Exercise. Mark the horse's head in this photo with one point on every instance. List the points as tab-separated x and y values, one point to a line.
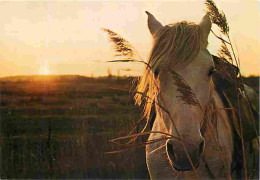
182	48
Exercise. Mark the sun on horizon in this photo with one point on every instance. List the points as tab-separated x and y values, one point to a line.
45	70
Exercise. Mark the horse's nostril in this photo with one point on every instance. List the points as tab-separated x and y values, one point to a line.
201	146
170	149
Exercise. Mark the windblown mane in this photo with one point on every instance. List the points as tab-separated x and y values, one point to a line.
173	44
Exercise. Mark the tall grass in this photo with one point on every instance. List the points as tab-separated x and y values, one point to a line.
69	137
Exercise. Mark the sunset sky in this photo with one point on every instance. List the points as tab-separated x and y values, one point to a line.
65	37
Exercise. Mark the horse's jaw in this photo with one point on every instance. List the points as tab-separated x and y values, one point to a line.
159	164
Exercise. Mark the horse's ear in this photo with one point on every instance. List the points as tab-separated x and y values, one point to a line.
153	24
205	27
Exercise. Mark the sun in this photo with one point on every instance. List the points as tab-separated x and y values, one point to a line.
44	70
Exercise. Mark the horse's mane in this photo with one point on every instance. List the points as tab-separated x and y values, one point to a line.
173	44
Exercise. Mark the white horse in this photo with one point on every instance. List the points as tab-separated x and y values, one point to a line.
204	144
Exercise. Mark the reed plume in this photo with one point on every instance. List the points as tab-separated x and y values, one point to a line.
225	65
122	48
217	17
186	93
224	52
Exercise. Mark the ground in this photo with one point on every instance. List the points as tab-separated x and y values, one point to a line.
60	127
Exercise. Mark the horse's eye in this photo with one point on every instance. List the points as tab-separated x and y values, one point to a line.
211	71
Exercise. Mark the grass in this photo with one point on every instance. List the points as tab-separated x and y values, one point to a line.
60	127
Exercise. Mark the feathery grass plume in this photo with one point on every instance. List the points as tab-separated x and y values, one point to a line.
122	47
225	67
224	52
124	51
187	94
217	17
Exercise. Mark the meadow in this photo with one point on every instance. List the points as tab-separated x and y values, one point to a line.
60	127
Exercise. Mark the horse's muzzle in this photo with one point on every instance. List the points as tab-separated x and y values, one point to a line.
178	156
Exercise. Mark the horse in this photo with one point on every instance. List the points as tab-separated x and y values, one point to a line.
196	139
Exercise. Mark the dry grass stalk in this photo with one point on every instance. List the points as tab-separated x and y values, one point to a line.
217	17
136	145
225	64
121	46
219	37
123	49
131	60
143	134
187	94
224	53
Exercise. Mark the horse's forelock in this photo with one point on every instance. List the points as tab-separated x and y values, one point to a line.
173	44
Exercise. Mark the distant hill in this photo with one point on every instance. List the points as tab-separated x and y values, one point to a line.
24	78
60	84
40	77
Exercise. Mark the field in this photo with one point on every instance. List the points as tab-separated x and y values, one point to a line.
60	127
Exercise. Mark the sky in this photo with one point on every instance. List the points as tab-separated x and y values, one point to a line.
65	37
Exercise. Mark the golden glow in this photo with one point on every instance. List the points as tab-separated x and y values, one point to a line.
45	69
68	34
